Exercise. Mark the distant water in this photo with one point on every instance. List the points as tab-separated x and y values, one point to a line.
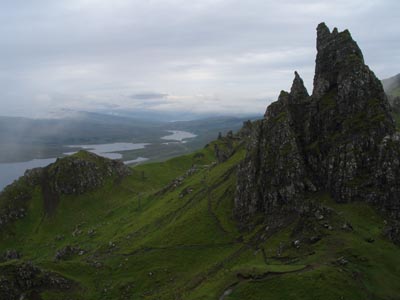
135	161
177	135
12	171
109	150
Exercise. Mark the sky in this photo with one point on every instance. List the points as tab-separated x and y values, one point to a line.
205	56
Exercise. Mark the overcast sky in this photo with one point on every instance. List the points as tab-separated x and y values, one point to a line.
225	56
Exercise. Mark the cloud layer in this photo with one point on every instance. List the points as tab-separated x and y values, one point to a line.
226	56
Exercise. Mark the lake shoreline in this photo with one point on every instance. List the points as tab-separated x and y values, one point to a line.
10	171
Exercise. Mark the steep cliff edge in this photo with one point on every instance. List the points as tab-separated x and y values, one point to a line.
341	139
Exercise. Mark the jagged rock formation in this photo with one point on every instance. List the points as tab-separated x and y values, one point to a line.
26	281
225	149
77	174
341	139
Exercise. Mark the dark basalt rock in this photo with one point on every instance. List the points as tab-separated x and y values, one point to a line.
13	201
11	254
67	252
341	139
74	175
26	281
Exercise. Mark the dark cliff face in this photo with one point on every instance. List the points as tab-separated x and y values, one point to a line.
341	139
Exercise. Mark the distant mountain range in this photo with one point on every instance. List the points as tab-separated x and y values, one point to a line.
24	138
392	89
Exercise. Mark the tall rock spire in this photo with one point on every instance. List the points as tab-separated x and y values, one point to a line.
336	52
298	90
343	82
341	139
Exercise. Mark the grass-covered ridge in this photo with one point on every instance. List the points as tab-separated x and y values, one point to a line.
167	232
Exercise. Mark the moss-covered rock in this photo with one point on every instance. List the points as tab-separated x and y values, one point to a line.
341	139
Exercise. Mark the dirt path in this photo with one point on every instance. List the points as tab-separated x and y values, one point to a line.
259	277
217	221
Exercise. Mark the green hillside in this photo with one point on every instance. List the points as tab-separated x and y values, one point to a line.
167	232
303	204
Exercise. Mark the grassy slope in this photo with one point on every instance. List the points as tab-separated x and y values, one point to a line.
396	92
150	245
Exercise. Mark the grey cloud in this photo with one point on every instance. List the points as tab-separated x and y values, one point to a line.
79	53
148	96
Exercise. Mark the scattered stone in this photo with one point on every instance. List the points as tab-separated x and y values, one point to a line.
96	264
369	240
296	244
185	192
279	251
178	181
12	254
76	231
342	261
318	215
347	227
67	252
59	237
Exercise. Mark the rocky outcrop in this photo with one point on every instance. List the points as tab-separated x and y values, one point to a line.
77	174
71	175
224	149
26	281
341	139
272	177
11	254
67	252
13	202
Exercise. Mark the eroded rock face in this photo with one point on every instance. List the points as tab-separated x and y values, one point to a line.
72	175
76	175
26	281
341	139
